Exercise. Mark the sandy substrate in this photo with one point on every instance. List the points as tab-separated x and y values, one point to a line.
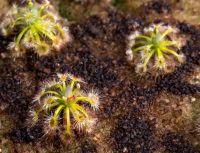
141	114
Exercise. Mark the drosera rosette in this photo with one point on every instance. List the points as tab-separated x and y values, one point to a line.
156	47
63	102
36	26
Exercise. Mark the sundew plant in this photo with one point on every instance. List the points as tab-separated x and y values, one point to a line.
153	46
65	103
36	26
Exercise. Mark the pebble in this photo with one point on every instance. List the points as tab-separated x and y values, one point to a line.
125	149
193	99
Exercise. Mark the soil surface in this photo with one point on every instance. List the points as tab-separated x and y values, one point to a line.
138	114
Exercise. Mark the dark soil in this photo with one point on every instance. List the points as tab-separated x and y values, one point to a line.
177	143
26	134
88	147
159	6
133	134
96	54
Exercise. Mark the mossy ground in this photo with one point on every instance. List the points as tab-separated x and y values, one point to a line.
137	114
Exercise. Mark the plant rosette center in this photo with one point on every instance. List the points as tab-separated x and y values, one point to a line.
156	41
70	99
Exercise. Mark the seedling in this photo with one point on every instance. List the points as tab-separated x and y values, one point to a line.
37	27
153	44
63	99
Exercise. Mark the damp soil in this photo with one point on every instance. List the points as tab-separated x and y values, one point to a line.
138	114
